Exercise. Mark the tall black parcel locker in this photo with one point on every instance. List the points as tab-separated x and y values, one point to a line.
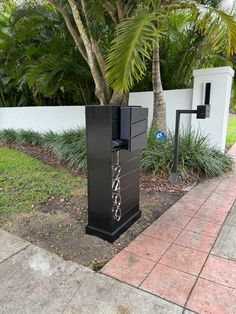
115	136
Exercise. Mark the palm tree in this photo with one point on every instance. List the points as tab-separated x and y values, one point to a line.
36	67
138	39
91	24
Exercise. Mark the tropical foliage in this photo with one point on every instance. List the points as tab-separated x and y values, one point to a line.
91	24
36	66
203	29
196	156
68	146
41	63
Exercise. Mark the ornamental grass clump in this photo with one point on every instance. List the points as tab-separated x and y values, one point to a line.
8	136
29	137
196	156
26	137
69	146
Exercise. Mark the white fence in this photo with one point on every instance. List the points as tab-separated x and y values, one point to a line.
216	126
58	119
175	99
42	119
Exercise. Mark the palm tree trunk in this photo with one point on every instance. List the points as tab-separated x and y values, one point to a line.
159	104
3	99
79	28
119	99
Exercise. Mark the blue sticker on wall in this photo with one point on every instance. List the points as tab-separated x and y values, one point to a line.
160	136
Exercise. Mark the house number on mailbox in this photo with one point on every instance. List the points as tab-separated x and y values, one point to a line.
116	197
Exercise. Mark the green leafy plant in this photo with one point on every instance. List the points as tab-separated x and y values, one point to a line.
69	145
29	137
36	66
196	156
139	38
8	136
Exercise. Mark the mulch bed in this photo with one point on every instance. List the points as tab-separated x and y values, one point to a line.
59	225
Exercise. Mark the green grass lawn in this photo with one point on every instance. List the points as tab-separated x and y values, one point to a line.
26	182
231	132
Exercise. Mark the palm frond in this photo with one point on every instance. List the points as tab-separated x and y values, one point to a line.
228	25
134	43
214	23
29	9
55	73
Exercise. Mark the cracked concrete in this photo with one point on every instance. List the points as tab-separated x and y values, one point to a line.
36	281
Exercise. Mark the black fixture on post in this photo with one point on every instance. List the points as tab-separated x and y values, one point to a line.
115	136
202	112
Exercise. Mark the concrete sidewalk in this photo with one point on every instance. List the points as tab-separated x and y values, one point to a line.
188	256
180	263
33	281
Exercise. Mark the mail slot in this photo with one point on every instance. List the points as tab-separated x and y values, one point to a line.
203	111
115	136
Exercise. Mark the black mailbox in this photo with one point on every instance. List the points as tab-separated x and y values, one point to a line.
203	111
115	136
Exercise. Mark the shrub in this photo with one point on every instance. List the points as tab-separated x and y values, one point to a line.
233	107
29	137
196	155
48	138
8	136
21	137
69	146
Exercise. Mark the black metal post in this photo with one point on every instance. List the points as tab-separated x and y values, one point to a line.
174	175
176	148
202	112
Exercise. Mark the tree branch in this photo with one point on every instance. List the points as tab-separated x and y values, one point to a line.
102	92
111	11
70	28
79	24
96	49
120	10
87	45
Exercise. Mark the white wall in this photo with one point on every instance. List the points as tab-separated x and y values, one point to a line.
221	83
215	126
175	99
58	119
42	119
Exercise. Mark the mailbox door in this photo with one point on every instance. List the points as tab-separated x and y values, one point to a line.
133	127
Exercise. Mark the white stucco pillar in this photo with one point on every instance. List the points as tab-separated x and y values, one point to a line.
221	83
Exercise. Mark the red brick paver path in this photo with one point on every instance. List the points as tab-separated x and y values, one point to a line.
172	258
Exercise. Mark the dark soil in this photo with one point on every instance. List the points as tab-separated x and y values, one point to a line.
59	225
